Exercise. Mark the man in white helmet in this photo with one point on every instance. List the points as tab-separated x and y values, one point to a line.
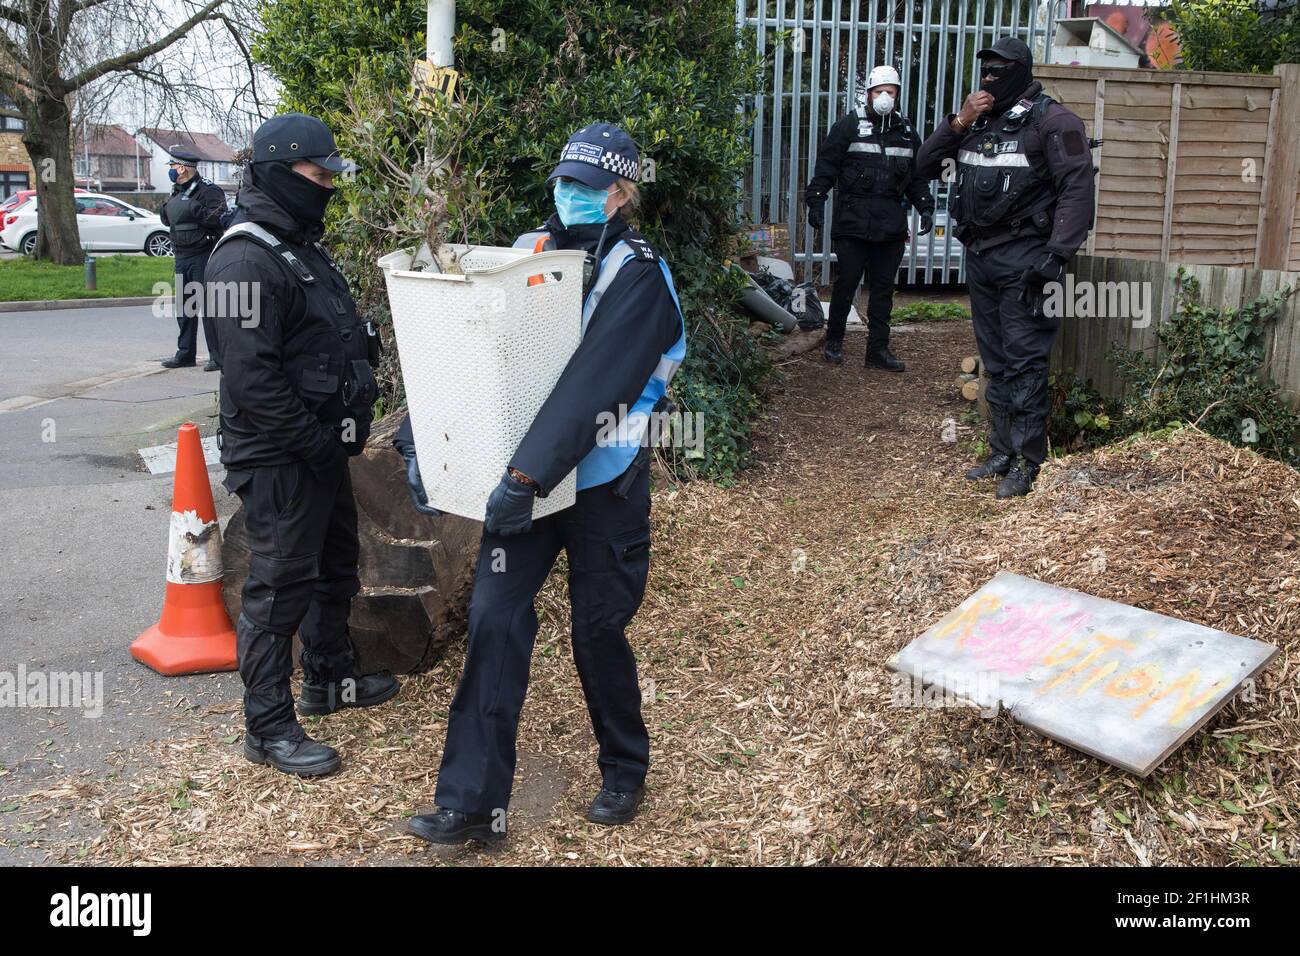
869	158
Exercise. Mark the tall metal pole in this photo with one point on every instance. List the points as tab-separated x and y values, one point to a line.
440	27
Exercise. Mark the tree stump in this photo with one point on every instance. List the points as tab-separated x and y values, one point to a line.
416	572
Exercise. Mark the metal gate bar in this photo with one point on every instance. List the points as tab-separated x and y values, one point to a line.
813	69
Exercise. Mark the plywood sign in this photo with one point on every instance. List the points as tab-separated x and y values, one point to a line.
1125	685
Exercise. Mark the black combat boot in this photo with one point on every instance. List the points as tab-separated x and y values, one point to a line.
366	690
833	351
450	827
883	358
613	808
178	361
1019	480
994	464
298	755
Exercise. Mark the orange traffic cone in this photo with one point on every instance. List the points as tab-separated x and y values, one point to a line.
194	635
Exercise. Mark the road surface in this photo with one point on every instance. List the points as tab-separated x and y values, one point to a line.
83	536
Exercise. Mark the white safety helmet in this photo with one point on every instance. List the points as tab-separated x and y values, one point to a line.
882	75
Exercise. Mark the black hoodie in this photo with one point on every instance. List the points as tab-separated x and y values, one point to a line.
1058	151
282	365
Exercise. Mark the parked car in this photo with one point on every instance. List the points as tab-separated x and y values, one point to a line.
20	197
105	224
942	240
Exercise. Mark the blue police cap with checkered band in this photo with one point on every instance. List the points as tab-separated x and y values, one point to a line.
598	154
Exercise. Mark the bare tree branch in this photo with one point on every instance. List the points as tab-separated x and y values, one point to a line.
132	57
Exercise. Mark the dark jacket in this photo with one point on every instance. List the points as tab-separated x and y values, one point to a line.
296	374
1058	194
194	212
870	161
635	323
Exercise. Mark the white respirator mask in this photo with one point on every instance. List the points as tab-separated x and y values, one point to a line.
884	103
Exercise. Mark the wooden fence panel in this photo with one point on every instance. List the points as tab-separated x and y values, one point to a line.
1085	344
1196	167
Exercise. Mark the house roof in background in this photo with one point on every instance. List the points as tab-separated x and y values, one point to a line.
109	140
208	146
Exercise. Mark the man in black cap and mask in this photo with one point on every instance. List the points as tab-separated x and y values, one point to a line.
193	214
1023	196
296	399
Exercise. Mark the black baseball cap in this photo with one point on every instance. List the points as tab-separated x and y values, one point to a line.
293	136
1009	48
598	154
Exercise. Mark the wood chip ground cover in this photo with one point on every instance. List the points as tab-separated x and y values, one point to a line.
771	610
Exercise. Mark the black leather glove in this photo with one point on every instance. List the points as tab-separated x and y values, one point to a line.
509	507
816	211
1048	269
415	484
328	457
927	223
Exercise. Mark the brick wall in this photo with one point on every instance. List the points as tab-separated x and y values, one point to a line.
13	156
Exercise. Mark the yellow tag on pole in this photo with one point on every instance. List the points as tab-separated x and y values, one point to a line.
430	80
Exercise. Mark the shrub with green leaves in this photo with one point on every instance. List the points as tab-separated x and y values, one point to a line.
1234	36
531	72
928	312
1208	373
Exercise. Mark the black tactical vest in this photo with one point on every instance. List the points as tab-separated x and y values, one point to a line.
329	355
998	189
186	233
877	162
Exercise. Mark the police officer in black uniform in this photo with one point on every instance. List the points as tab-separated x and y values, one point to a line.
869	156
296	399
194	214
633	341
1024	200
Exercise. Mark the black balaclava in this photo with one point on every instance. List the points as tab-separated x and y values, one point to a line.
1007	87
297	195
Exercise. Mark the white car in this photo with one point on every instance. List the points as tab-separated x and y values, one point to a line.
933	263
106	224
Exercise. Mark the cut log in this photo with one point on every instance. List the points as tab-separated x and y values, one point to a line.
971	390
416	572
970	365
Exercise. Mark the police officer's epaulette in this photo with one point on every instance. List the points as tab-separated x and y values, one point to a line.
638	245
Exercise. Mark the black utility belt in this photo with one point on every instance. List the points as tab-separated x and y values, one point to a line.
1034	224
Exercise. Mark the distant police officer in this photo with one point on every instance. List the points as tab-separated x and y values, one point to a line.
194	214
1024	199
296	395
633	342
869	158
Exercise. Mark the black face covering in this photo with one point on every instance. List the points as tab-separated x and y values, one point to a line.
1013	81
296	194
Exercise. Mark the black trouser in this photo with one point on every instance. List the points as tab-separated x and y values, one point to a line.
607	540
190	309
880	261
302	576
1014	346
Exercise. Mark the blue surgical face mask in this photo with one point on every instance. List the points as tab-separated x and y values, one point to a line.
577	203
172	174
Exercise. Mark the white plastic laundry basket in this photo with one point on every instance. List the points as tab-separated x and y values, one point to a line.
480	353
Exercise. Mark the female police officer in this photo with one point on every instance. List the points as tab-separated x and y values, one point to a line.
633	341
